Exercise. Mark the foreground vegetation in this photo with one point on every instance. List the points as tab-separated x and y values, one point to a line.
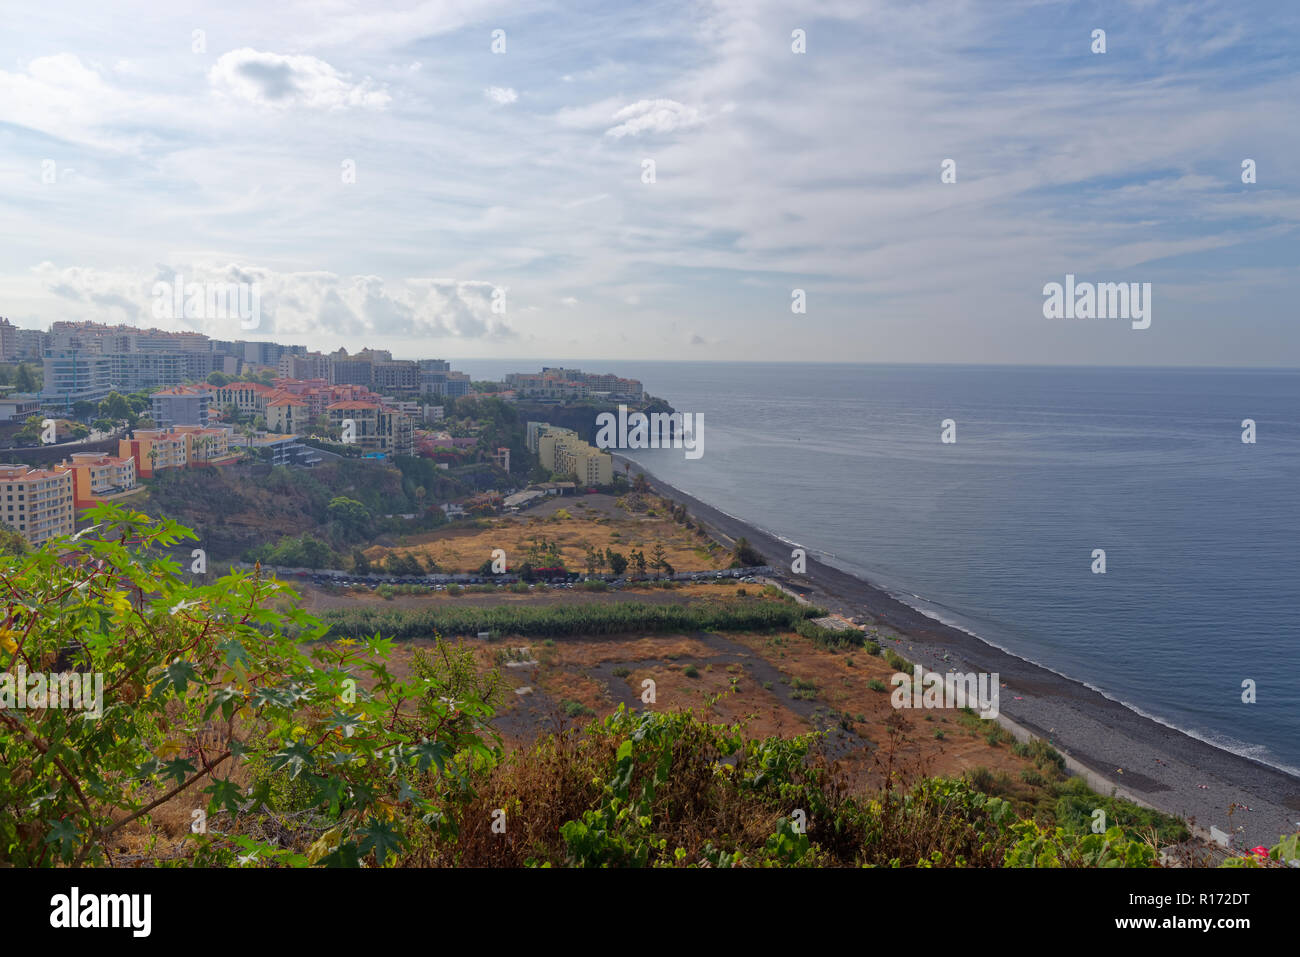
236	731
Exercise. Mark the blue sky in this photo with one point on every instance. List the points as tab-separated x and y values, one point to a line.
522	171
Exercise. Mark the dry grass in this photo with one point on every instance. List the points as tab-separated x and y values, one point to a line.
601	524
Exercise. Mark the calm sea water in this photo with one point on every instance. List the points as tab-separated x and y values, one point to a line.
995	533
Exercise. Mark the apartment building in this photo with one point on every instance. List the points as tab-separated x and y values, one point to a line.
444	382
562	452
313	365
184	445
8	340
181	405
96	477
204	446
72	376
288	413
558	384
37	503
375	428
248	397
31	345
154	450
396	375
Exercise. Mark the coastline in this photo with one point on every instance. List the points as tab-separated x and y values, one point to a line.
1116	749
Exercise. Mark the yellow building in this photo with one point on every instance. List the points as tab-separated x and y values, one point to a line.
96	476
288	415
37	503
154	449
561	451
203	446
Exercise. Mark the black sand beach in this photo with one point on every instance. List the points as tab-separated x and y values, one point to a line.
1116	749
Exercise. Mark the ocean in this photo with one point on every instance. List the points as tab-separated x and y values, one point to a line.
995	532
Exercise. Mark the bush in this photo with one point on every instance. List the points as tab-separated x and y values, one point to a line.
691	671
196	683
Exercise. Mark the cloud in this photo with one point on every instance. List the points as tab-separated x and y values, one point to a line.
501	94
654	116
279	81
295	306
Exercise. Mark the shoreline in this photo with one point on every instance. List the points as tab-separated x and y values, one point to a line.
1108	743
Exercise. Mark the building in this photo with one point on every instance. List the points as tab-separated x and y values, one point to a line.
501	458
285	450
17	406
395	375
37	503
204	446
313	365
154	450
562	452
288	413
374	427
559	384
72	376
249	398
31	345
181	405
444	382
183	445
97	477
8	340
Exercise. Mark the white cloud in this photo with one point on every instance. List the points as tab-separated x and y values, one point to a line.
280	81
501	94
654	116
293	304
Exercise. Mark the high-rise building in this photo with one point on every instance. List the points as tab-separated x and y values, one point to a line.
8	341
37	503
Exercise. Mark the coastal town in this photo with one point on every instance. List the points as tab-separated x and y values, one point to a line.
160	400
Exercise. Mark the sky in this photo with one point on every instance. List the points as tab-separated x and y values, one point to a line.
468	178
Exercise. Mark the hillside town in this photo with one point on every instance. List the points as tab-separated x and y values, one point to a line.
126	404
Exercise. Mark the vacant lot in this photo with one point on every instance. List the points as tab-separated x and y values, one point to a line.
776	684
572	523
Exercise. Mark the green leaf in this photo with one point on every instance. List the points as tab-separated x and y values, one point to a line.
296	757
178	769
225	793
378	836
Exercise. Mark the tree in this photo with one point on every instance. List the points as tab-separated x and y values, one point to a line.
638	561
350	515
745	555
83	409
115	407
660	560
360	563
200	678
639	484
218	379
25	378
11	543
617	562
31	430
